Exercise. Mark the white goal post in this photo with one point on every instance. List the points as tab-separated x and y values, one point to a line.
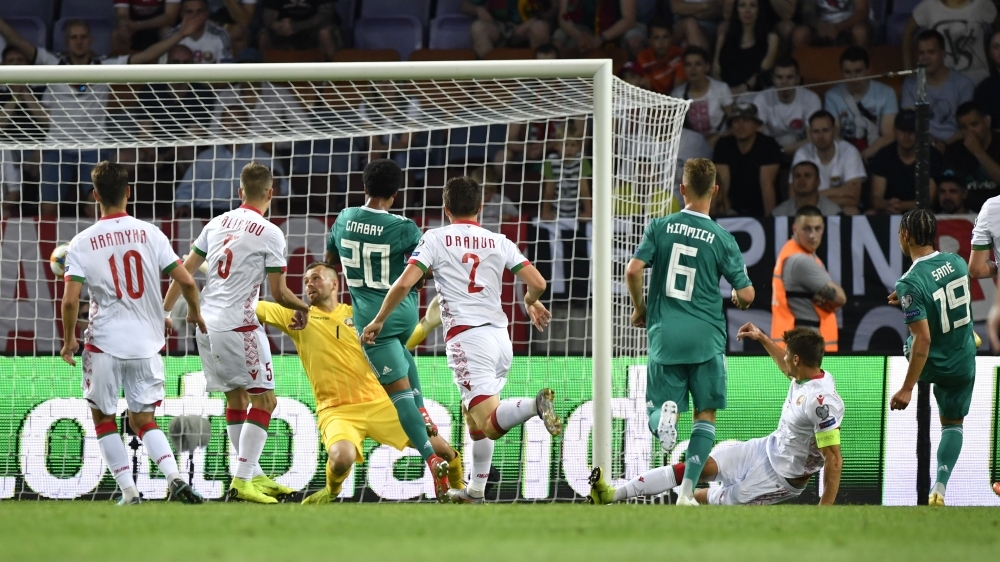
628	124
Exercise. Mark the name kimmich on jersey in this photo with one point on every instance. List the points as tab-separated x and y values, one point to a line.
121	259
241	247
468	263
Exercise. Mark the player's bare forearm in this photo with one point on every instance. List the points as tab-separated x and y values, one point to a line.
918	359
70	314
633	280
777	353
745	297
191	263
980	264
832	470
282	294
536	284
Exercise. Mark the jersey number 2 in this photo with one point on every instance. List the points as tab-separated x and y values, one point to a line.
130	261
675	270
473	288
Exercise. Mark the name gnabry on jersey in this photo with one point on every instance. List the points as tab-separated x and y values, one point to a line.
364	228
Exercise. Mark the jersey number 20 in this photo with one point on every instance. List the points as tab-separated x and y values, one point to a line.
364	252
675	270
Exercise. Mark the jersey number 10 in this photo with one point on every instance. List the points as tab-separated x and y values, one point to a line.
949	300
363	252
130	261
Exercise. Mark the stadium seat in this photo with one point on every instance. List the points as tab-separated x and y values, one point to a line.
888	58
345	11
895	23
305	55
41	9
404	34
443	54
420	9
100	30
87	9
819	64
505	53
32	29
450	32
366	55
645	10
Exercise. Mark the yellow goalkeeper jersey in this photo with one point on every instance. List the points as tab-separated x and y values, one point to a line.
330	353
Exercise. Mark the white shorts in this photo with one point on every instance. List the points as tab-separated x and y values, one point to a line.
234	360
747	476
105	375
479	359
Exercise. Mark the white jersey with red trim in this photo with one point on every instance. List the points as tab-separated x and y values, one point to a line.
812	407
121	259
241	247
468	263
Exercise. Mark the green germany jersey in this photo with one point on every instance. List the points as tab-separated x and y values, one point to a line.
373	246
688	253
936	289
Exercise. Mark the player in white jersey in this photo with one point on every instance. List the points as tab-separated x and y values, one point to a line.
982	260
120	258
770	469
242	248
468	262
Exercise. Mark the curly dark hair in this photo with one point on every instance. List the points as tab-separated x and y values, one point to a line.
382	178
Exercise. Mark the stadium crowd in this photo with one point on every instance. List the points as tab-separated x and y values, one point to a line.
743	63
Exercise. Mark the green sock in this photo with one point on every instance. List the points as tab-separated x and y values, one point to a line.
700	445
412	422
418	395
654	420
947	454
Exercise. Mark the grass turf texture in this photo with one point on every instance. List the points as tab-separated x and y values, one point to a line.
219	532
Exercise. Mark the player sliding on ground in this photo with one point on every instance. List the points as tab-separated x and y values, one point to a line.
468	263
935	298
243	248
372	245
350	404
120	258
771	469
688	253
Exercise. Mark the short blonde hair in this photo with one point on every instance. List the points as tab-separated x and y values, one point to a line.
255	179
699	176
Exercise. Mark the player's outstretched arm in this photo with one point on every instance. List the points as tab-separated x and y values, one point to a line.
919	350
182	277
536	284
396	294
70	312
192	261
633	279
831	472
749	331
286	298
980	264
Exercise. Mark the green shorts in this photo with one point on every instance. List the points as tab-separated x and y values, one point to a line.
389	359
953	396
705	382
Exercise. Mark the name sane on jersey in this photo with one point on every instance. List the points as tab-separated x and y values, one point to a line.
942	271
690	232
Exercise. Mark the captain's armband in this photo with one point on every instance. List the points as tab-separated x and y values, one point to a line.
828	438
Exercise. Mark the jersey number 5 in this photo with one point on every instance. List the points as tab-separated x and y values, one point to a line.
473	288
131	261
946	296
675	270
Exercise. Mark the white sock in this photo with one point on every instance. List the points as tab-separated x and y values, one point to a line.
159	451
252	439
233	430
654	482
512	413
687	489
116	457
482	459
938	489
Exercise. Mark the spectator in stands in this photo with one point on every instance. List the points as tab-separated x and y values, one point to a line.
864	108
633	74
663	61
497	208
975	160
843	22
988	91
239	39
785	108
501	23
590	24
963	24
893	169
547	51
747	47
697	21
711	99
639	191
151	179
210	43
566	210
951	195
20	109
141	23
179	108
73	111
747	165
232	14
946	89
805	192
786	11
300	24
10	181
841	170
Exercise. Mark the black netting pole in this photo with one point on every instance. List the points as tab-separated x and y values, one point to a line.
923	110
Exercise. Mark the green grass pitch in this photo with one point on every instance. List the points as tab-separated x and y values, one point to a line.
217	532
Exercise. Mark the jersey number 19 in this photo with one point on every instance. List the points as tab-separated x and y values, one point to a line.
949	300
362	252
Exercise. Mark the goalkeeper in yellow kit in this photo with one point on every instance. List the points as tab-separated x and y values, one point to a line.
350	402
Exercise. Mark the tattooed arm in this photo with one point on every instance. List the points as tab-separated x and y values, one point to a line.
830	297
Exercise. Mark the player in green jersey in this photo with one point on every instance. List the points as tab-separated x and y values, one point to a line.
372	245
935	298
688	253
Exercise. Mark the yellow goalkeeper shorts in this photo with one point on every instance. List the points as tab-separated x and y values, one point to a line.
353	422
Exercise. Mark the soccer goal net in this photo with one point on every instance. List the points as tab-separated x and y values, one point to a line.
574	163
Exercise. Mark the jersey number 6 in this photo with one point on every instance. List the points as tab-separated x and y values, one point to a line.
675	270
